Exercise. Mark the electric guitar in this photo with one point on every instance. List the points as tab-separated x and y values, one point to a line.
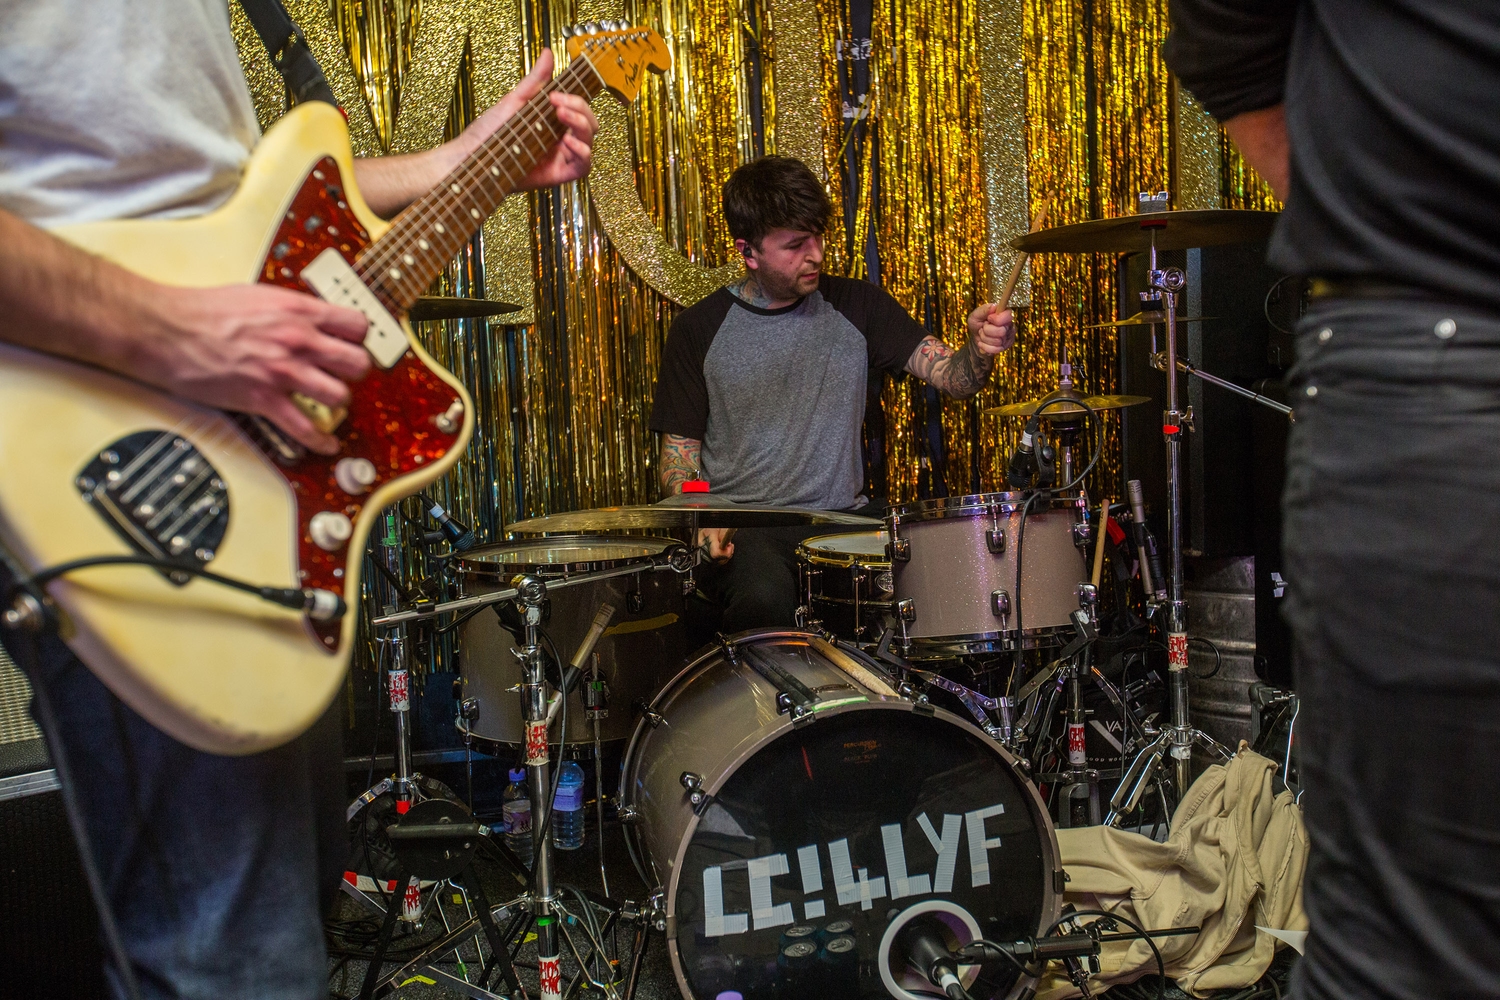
96	464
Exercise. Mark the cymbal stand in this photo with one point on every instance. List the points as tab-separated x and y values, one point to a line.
1179	737
596	707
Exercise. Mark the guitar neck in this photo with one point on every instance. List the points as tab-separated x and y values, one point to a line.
434	228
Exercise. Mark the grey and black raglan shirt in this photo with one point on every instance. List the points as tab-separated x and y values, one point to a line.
777	396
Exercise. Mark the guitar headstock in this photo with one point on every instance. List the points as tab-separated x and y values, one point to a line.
619	53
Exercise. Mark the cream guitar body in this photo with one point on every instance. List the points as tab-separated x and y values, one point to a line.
222	670
97	465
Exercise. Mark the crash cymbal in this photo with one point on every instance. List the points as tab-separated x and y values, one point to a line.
1171	230
435	307
685	510
1146	317
1095	403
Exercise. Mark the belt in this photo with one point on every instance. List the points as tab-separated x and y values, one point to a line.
1366	288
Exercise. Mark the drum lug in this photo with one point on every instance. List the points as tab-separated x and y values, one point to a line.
1000	604
700	799
1060	881
628	815
922	706
1082	533
899	550
906	610
994	540
653	719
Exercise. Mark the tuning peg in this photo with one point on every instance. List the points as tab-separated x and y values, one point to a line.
592	27
567	31
617	25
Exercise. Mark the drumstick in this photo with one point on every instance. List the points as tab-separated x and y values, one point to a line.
1020	261
1099	544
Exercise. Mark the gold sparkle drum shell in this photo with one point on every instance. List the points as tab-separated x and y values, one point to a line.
792	807
971	575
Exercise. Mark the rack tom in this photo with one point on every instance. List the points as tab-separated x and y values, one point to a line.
967	580
846	582
643	647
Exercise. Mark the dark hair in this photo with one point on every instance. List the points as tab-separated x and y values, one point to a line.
774	192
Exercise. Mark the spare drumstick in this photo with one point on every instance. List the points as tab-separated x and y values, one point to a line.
1020	262
1099	543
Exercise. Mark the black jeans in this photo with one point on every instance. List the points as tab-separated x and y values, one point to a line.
1392	536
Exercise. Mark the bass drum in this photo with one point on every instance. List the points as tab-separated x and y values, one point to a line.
645	644
796	812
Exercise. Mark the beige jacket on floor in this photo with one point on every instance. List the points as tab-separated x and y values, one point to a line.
1234	860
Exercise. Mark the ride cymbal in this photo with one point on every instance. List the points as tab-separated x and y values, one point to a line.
1063	409
1168	231
685	510
1146	317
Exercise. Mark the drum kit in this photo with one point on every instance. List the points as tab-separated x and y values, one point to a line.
853	807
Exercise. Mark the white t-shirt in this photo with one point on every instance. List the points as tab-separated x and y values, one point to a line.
119	109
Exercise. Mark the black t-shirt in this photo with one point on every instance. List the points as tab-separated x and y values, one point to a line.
1393	114
777	396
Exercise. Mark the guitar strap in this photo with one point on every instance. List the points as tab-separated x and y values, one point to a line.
289	52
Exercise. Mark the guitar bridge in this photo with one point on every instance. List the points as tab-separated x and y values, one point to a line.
161	496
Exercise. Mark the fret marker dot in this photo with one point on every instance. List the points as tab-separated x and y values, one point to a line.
395	273
538	126
455	188
495	171
475	212
424	245
409	259
438	228
516	149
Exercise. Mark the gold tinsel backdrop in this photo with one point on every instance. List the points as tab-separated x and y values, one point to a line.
940	125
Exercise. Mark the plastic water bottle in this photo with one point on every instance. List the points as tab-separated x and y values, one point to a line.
567	815
517	812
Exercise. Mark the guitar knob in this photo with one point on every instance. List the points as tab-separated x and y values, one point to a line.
354	475
330	530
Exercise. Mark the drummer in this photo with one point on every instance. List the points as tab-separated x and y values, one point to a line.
762	385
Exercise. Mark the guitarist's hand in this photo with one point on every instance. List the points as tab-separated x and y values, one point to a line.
571	157
390	183
247	347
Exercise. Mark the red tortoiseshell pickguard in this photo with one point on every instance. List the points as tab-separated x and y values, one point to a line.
392	412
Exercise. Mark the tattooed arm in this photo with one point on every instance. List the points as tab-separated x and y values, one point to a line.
963	372
678	463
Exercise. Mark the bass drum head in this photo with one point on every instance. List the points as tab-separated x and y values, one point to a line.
792	875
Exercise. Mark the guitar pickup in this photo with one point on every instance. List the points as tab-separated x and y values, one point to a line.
335	281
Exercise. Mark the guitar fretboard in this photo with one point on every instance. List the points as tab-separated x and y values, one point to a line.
432	230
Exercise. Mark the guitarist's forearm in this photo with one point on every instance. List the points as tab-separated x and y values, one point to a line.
59	299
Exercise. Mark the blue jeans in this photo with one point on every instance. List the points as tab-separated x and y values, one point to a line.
1392	512
218	869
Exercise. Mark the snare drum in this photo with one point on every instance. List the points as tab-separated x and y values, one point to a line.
846	582
643	647
954	565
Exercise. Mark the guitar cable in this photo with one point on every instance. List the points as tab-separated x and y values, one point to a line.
319	605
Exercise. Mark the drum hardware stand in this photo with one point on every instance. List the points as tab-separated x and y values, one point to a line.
1178	738
1159	362
596	708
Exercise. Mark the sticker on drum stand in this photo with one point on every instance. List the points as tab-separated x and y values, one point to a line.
536	743
1177	651
400	698
551	979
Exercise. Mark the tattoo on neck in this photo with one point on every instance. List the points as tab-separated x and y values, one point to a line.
750	292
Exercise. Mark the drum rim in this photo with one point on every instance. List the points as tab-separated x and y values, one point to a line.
844	559
1052	895
998	641
974	505
468	567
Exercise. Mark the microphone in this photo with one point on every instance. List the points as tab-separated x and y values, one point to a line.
928	953
586	647
459	535
1152	580
1023	459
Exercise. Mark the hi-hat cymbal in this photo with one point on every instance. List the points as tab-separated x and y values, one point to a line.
435	307
685	510
1169	231
1063	409
1146	317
